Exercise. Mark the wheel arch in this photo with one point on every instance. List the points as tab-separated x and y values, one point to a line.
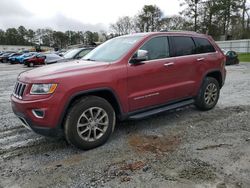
106	93
217	75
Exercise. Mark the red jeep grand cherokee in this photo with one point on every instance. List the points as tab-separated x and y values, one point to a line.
128	77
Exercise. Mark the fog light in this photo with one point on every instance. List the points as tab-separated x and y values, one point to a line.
38	113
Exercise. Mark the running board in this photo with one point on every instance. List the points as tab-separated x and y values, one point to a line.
161	109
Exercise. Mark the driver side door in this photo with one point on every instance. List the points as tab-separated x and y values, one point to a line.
149	82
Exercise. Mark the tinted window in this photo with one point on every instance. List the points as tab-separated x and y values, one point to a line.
157	48
83	53
203	46
183	45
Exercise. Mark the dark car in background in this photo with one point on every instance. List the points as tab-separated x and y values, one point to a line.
4	57
77	53
232	57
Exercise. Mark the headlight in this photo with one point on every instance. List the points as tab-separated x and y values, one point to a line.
39	89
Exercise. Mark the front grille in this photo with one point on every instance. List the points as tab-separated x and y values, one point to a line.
19	90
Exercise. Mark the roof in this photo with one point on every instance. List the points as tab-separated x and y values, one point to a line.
189	33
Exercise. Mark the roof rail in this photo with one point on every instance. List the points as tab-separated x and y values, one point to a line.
166	30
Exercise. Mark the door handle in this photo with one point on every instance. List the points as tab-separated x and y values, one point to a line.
169	64
201	59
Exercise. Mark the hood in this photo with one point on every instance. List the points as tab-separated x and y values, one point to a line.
61	70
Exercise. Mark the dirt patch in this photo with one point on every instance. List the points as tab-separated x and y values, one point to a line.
154	144
133	166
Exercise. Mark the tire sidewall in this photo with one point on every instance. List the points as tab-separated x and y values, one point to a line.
75	113
200	101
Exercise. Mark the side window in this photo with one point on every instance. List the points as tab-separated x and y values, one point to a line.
157	48
183	45
203	46
83	53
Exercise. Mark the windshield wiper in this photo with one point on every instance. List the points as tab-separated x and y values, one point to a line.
89	59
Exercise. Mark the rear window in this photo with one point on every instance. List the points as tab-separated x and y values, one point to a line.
183	45
203	46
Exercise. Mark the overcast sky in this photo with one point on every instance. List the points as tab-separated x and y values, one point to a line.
94	15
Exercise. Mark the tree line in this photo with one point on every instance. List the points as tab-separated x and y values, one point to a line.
224	19
47	37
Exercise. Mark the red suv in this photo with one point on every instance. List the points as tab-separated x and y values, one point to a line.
128	77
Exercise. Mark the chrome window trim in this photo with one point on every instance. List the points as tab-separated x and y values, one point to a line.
164	35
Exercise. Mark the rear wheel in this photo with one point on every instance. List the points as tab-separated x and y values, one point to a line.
208	95
89	123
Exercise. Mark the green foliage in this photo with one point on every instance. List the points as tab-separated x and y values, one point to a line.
224	19
149	19
244	57
46	37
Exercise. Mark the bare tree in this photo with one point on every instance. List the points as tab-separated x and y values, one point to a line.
123	26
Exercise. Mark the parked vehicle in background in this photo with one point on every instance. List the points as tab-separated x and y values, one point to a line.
42	59
61	52
52	58
31	61
77	53
232	57
128	77
20	59
12	58
4	57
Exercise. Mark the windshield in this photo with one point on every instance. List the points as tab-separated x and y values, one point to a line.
71	53
113	49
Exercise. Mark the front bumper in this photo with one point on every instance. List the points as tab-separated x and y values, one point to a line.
44	126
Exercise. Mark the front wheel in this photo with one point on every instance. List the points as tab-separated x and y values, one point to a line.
208	95
89	123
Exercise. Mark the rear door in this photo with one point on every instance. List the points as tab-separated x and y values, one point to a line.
185	63
207	58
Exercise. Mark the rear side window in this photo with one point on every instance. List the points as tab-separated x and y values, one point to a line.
157	48
203	46
183	45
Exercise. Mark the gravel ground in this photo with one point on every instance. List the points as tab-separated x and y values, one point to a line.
184	148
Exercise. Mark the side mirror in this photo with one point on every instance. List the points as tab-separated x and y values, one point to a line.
140	55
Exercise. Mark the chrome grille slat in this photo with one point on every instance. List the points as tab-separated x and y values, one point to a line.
17	84
19	90
22	90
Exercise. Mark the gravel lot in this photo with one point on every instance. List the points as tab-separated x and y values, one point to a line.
184	148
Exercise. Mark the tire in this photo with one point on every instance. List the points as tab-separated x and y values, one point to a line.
208	95
80	126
